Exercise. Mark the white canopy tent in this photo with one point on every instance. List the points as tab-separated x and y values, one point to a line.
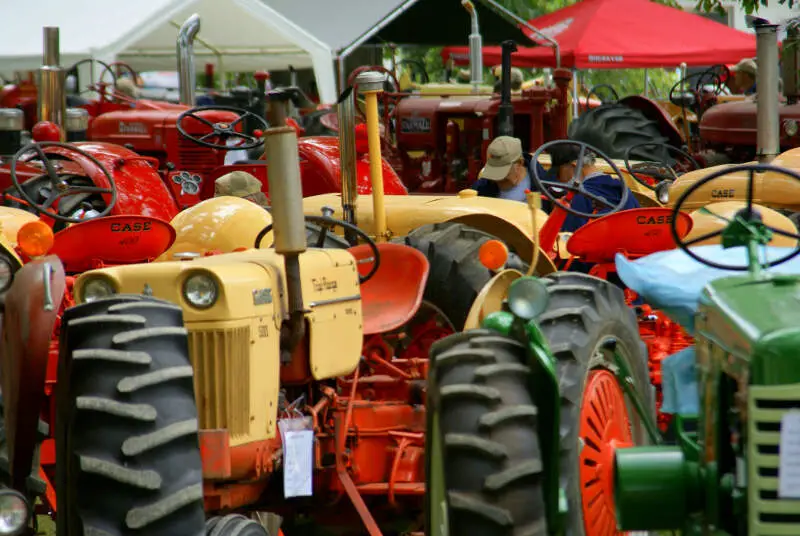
236	35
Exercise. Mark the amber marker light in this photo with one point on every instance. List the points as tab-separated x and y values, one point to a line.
35	238
493	254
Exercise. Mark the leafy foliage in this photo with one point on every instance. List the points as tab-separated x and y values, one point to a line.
750	6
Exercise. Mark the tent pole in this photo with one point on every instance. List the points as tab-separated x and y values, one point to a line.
575	94
646	82
518	20
340	70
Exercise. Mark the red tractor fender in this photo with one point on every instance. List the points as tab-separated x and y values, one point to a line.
392	296
122	239
140	189
320	171
31	311
653	111
636	232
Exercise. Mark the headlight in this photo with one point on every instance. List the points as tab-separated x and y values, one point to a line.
6	274
15	513
200	290
790	127
527	297
662	192
96	288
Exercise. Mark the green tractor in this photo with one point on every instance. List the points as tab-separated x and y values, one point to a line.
541	422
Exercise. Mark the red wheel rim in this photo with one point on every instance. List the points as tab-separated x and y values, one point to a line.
604	427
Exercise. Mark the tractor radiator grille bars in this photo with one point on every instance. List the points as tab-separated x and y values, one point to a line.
769	515
196	158
220	358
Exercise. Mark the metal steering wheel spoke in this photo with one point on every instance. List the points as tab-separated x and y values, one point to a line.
221	130
576	185
61	188
744	229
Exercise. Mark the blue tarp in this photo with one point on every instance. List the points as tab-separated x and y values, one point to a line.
671	281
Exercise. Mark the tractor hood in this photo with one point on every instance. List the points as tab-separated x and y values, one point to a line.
734	124
149	130
771	189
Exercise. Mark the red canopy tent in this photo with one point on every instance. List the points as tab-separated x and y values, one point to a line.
623	34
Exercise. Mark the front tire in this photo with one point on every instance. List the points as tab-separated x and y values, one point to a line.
128	459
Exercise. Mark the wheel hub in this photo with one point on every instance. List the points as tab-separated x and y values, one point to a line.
604	427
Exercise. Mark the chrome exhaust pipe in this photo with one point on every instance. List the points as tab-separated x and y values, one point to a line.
768	117
52	98
475	48
187	82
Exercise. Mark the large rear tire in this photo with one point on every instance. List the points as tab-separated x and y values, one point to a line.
614	128
482	444
128	459
456	274
586	320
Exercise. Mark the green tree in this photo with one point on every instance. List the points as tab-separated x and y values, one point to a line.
750	6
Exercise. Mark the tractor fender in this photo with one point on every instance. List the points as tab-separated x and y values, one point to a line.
510	234
710	219
490	299
28	322
653	111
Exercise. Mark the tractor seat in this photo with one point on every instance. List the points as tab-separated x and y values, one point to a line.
392	296
635	233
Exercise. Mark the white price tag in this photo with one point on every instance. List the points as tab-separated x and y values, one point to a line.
298	463
789	464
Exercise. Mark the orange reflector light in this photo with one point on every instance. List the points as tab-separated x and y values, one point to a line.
35	238
493	254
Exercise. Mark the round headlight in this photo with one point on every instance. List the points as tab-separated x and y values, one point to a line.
200	290
14	513
790	127
527	297
96	288
6	274
662	192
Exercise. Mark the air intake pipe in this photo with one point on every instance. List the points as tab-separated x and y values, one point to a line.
286	200
475	48
187	82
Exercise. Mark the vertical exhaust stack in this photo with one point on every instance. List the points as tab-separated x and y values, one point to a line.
52	98
475	48
286	200
767	99
790	62
346	110
505	112
187	82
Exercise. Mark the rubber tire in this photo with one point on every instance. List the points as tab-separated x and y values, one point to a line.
613	128
456	274
487	418
234	525
581	312
128	459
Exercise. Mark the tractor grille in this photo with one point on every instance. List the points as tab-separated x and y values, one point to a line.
221	362
769	515
196	158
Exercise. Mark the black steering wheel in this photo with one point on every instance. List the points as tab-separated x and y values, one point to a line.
596	92
748	217
222	131
684	95
555	190
326	223
658	170
93	86
59	187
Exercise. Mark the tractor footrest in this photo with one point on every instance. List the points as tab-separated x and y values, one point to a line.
400	488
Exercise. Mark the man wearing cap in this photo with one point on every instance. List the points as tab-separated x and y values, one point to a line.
240	184
743	79
508	170
564	166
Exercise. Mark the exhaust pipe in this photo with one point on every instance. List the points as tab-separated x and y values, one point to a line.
370	83
475	48
286	200
346	111
768	122
187	83
52	98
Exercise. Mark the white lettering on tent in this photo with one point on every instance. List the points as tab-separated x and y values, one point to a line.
606	59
